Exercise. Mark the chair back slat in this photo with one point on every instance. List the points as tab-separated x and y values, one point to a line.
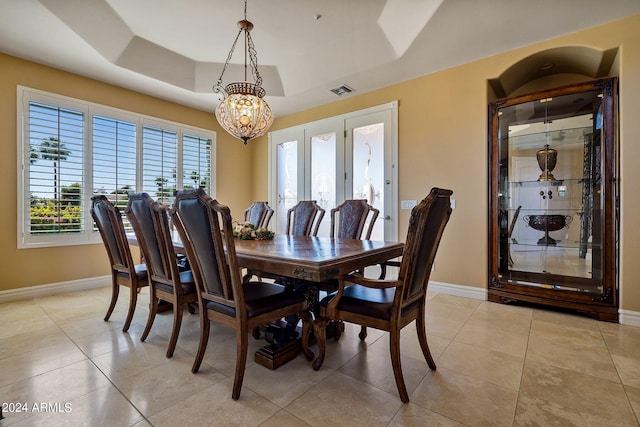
304	218
258	214
109	222
426	225
206	231
144	214
350	218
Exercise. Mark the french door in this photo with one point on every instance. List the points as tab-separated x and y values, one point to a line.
353	156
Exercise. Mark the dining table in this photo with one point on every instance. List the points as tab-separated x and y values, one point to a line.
303	261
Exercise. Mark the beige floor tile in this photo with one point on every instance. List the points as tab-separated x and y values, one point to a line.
540	412
443	309
27	365
510	319
129	361
114	340
340	400
284	419
570	335
57	386
454	300
566	319
442	327
629	370
102	407
32	341
623	343
273	384
92	325
618	329
633	393
498	368
584	393
590	360
465	399
164	385
573	370
12	327
414	415
214	406
493	339
373	366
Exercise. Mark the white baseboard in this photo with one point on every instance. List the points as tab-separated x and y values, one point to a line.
458	290
54	288
629	318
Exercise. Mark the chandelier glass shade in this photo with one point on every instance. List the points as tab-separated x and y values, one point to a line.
243	112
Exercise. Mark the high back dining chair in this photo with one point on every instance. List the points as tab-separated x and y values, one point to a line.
304	218
258	214
349	218
206	231
151	224
390	305
124	272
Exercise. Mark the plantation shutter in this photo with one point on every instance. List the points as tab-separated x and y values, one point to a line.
196	162
55	170
159	170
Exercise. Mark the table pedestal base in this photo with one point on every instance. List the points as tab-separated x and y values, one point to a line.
273	356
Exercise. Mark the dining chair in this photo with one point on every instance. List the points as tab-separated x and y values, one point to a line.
349	218
304	218
205	228
390	305
124	272
151	225
258	214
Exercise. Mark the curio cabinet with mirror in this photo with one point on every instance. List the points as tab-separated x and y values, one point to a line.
553	199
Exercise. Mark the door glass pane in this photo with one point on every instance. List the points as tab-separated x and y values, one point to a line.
287	181
323	176
368	171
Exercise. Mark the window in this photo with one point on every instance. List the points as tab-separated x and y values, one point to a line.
71	150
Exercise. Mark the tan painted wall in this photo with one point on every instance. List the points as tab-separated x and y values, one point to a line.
443	142
29	267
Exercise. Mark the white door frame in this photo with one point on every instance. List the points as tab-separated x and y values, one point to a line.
302	134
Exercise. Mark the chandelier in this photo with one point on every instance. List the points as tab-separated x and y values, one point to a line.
243	112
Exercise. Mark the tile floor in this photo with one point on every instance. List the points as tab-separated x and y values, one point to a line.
497	365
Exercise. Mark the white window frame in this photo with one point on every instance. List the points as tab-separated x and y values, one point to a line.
88	235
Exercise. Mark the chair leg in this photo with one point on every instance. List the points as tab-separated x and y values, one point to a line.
177	322
205	325
363	333
422	338
153	310
394	344
115	291
320	332
307	328
242	344
132	307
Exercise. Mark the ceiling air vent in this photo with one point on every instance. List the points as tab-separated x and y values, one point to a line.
341	90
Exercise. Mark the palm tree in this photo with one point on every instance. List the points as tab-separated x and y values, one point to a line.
52	149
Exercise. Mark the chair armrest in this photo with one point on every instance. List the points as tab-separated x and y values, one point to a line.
370	283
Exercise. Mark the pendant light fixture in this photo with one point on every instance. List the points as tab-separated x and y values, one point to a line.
243	112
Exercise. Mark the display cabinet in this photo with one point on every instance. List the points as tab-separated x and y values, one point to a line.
553	220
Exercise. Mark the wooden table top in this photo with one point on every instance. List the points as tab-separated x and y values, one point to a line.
315	259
